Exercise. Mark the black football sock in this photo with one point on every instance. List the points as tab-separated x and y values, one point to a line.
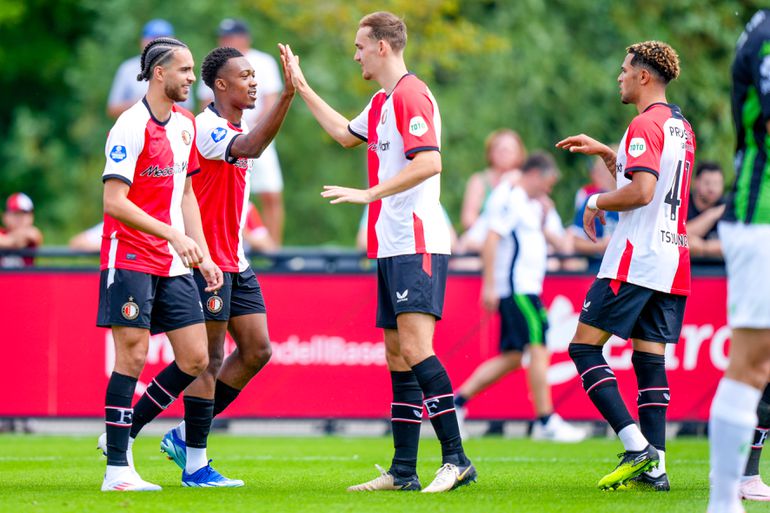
653	396
224	394
439	403
600	384
198	413
117	416
760	434
406	420
160	394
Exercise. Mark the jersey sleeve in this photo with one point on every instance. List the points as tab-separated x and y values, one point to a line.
644	145
414	111
359	126
124	145
759	65
214	138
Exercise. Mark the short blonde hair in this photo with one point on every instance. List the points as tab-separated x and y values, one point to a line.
656	56
386	26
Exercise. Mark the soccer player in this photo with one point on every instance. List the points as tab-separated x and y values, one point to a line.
152	236
227	146
514	259
644	279
745	236
409	236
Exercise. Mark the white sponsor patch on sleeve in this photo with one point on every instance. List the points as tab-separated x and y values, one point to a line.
637	146
417	126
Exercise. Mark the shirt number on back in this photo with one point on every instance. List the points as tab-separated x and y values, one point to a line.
673	196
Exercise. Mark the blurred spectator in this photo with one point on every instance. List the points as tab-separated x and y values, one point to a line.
18	230
255	234
126	89
601	181
88	240
706	206
505	153
266	179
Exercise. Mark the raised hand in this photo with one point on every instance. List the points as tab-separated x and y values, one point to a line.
582	144
346	195
589	226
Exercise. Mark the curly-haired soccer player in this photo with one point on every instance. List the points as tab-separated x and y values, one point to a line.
644	280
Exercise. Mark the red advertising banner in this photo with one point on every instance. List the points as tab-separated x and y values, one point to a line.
328	358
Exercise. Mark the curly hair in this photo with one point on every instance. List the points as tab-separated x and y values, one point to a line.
157	53
657	57
214	61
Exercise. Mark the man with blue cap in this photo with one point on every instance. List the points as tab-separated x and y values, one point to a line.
126	90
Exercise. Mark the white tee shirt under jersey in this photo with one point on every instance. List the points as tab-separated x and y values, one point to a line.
396	128
649	245
522	253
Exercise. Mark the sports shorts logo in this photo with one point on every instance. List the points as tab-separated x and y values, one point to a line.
186	137
637	146
118	153
214	304
417	126
130	310
402	296
218	134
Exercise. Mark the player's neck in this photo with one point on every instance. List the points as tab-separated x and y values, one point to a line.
650	98
160	104
390	74
229	112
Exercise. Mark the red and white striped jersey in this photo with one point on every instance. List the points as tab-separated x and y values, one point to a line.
222	189
396	128
649	246
154	158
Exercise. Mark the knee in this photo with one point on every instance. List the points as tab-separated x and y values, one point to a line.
216	359
194	362
258	355
130	360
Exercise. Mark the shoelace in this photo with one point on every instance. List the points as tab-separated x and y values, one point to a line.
445	472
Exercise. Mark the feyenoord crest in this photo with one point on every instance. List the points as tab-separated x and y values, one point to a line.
130	310
214	304
186	137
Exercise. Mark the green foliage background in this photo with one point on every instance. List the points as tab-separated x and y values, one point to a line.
546	68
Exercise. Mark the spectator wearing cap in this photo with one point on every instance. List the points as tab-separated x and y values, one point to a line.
706	206
18	230
266	179
126	89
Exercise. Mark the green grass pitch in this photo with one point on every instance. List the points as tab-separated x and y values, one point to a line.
63	474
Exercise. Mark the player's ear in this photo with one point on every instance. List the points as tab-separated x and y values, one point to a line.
382	46
219	83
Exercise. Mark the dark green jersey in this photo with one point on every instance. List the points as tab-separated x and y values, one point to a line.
750	198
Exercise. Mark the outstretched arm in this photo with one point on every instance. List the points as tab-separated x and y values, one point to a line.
334	123
589	146
254	143
424	165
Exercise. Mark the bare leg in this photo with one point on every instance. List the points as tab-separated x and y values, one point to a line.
489	373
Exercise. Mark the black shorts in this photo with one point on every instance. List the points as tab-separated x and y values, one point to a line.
523	320
141	300
633	311
409	284
240	295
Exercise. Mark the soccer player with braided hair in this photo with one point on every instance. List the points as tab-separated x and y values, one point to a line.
152	237
644	280
227	147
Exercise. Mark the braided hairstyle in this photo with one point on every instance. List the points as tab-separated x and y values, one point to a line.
157	53
656	56
214	62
